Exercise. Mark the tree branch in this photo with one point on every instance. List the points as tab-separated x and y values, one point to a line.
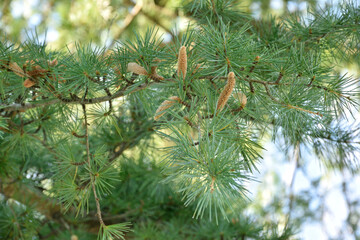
26	106
127	21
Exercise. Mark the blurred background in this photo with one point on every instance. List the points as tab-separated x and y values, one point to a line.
325	203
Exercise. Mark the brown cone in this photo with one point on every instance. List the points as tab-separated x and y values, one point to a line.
182	62
225	94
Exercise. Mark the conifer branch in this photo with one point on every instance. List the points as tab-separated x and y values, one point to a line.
284	84
302	109
26	106
97	201
122	92
209	170
288	105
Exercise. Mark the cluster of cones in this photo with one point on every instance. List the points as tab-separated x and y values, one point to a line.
35	72
181	72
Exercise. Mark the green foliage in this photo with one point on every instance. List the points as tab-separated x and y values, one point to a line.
208	173
78	124
113	231
17	222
